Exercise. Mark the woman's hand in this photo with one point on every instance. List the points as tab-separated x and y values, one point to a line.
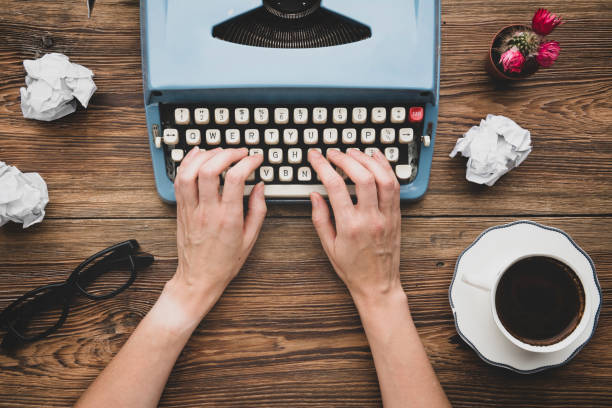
213	236
364	248
364	244
213	240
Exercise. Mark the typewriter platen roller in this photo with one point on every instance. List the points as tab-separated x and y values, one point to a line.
375	62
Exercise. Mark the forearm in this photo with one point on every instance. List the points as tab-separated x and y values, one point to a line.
404	372
138	373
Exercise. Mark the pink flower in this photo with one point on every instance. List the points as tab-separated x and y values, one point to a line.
548	53
512	60
544	22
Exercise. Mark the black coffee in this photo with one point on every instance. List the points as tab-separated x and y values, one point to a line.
539	300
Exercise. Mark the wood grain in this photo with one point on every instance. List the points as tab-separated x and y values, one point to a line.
286	333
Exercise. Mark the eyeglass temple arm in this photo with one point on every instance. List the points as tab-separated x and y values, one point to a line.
89	275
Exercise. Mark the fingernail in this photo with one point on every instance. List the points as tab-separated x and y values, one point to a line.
332	152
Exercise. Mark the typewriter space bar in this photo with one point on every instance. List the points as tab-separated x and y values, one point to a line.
294	190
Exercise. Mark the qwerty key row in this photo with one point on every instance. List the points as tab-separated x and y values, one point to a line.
284	135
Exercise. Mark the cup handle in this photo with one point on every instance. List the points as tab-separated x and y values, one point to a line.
480	280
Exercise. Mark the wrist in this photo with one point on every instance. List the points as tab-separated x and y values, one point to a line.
377	305
182	306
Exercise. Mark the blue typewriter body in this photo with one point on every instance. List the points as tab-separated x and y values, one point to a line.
183	63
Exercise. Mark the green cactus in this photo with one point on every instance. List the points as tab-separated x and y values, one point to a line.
527	42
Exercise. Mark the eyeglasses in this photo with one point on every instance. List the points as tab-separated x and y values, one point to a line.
44	310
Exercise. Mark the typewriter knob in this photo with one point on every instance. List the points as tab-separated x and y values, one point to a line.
291	9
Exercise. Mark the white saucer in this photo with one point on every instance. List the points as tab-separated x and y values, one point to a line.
471	306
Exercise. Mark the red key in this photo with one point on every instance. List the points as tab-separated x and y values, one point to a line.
416	114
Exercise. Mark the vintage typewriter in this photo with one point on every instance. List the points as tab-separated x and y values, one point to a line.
285	76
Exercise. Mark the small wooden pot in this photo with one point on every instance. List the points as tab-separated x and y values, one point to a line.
531	65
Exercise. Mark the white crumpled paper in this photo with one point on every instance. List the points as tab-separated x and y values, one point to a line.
494	148
23	197
53	83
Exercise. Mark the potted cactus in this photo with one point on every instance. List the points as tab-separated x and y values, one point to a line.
518	51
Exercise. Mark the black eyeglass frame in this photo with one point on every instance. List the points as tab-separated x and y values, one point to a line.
127	250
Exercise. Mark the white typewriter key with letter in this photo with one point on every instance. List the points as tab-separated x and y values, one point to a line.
319	116
222	116
294	156
403	171
330	136
304	174
406	135
379	115
275	156
262	116
241	116
300	116
271	136
281	116
266	173
201	116
340	115
285	173
349	136
368	136
193	137
171	137
398	115
177	155
360	115
232	136
392	154
213	136
290	136
181	116
311	136
251	136
253	152
387	136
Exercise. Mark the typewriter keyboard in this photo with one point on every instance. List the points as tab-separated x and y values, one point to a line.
285	134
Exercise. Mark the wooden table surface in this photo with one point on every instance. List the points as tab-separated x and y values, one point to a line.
286	333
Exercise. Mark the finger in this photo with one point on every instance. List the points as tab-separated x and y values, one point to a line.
208	174
256	215
385	163
365	184
378	156
190	155
336	189
185	183
322	222
235	179
386	182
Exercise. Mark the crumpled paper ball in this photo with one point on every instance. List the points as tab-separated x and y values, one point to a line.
23	197
494	148
53	83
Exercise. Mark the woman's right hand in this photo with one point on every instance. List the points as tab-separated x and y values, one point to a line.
364	244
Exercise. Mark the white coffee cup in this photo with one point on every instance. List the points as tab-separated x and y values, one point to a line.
489	282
